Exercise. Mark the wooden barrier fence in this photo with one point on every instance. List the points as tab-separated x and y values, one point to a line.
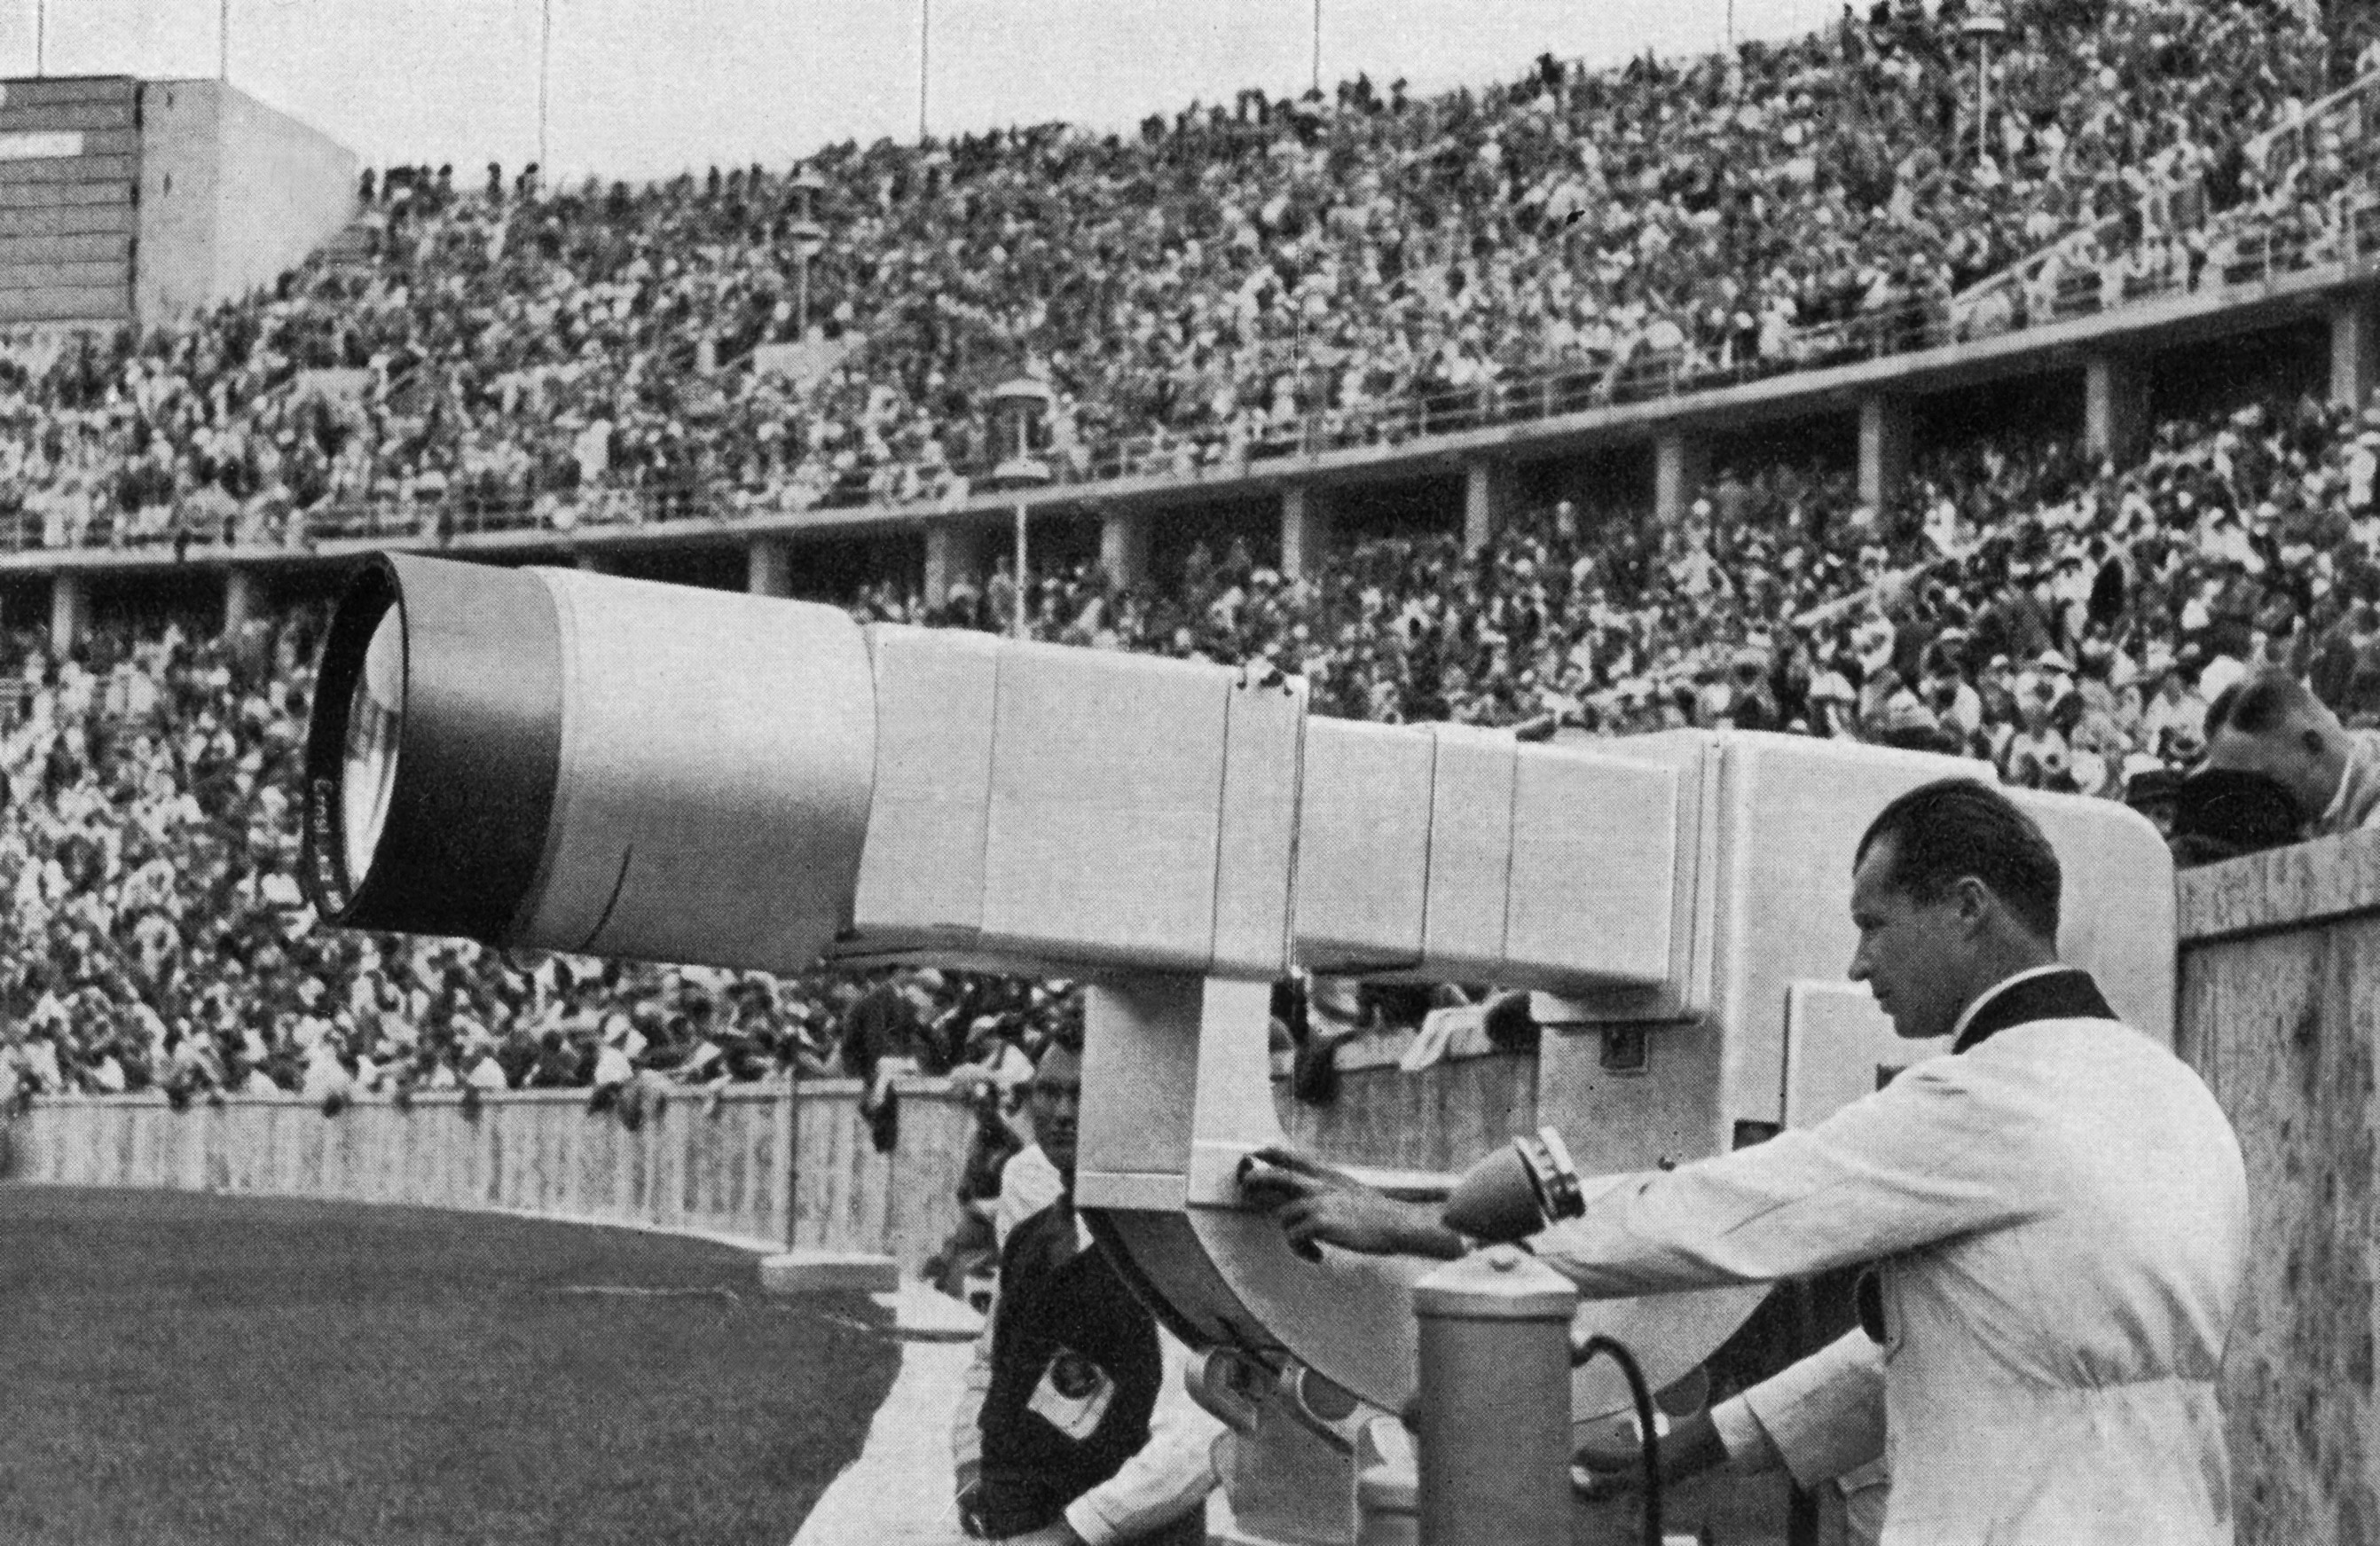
2280	1005
768	1163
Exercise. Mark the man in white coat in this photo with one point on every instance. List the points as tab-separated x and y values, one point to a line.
2056	1210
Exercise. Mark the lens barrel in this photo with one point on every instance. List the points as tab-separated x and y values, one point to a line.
588	764
481	695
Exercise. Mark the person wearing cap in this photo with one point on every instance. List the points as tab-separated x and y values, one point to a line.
2271	723
2055	1212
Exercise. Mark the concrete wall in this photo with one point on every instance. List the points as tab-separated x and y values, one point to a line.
232	194
180	127
69	163
285	189
770	1165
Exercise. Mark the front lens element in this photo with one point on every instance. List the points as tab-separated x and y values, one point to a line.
375	721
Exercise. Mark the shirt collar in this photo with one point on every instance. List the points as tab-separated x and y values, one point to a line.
2329	820
2335	818
1967	1016
2046	992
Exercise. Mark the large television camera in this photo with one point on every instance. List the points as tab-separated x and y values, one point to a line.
553	759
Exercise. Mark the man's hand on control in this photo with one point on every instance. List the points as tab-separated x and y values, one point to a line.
1317	1206
1600	1471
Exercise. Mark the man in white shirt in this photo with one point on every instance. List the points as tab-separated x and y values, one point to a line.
2057	1213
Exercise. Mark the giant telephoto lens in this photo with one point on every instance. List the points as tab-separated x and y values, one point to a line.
434	749
590	763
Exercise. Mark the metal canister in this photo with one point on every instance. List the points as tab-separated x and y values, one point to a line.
1495	1401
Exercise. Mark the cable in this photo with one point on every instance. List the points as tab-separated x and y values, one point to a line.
1648	1442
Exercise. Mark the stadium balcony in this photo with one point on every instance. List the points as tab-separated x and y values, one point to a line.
2109	315
2073	304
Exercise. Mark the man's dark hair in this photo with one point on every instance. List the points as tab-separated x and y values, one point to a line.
2256	704
1952	828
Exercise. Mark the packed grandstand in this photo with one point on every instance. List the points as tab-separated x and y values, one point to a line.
1233	283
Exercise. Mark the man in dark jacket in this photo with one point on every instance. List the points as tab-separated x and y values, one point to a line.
1074	1428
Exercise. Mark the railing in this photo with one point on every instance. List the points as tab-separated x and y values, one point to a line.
2249	248
776	1165
2348	109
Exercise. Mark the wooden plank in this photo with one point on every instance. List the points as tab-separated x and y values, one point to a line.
50	196
50	89
2303	884
77	169
113	143
836	1130
115	225
20	115
848	1141
98	303
784	1130
871	1193
810	1167
2285	1028
669	1167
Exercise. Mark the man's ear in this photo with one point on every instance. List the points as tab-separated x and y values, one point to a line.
1973	900
2314	741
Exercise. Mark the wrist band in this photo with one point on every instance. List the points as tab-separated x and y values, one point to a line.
1551	1175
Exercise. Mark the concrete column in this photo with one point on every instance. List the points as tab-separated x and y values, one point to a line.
955	554
2115	407
596	563
1680	464
1304	530
240	596
1884	449
1487	500
69	611
2354	349
1124	547
768	567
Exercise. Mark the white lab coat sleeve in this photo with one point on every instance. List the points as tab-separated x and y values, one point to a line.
1824	1415
1171	1474
1933	1155
1748	1445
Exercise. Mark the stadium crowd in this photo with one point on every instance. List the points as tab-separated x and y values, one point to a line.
1222	280
2067	621
1233	280
159	939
